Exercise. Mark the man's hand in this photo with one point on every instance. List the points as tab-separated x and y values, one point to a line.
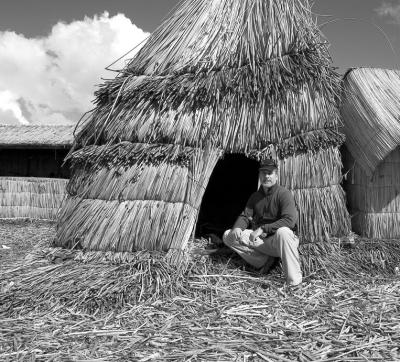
255	234
237	232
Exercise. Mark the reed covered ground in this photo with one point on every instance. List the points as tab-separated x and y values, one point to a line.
214	310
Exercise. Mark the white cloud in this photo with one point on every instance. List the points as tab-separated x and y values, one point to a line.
391	11
10	107
51	80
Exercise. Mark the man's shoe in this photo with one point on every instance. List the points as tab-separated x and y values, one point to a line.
270	264
295	288
215	240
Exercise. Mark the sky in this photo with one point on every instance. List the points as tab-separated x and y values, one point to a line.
54	53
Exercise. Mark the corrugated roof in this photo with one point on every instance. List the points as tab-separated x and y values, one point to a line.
36	136
371	115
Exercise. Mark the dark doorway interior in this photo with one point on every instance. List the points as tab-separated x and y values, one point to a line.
234	178
34	163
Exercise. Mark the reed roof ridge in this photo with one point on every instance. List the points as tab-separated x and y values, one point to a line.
255	28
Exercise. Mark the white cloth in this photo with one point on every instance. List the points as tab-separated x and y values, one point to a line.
283	244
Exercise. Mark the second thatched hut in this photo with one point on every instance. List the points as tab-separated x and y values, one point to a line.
371	117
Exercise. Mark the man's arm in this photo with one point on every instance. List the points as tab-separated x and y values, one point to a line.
288	214
243	221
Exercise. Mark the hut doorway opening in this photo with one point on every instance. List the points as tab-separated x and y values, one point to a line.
233	179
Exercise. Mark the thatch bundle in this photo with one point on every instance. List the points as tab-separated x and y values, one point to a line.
218	76
33	198
370	111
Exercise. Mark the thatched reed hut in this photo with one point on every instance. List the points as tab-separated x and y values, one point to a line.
244	79
371	117
32	175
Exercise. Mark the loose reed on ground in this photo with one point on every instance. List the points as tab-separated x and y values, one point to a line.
211	309
90	281
217	312
220	317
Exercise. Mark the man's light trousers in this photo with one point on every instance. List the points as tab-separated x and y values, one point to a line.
283	244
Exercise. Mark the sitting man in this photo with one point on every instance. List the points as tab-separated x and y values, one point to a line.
271	214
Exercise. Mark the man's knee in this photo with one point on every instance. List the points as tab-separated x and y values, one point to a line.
286	235
228	238
284	232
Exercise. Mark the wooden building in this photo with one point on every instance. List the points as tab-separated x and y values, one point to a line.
32	174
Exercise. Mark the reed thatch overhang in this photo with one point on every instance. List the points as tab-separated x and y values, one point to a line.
20	137
371	115
218	76
239	75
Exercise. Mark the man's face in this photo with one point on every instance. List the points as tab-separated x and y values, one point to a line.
268	178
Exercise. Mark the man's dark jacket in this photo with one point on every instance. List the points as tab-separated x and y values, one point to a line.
271	210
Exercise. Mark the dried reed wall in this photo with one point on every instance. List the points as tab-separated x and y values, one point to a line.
315	181
33	198
140	201
374	202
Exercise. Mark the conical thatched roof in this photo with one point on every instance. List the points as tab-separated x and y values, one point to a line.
248	76
238	74
371	115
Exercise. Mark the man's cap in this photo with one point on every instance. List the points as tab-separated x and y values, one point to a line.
268	165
